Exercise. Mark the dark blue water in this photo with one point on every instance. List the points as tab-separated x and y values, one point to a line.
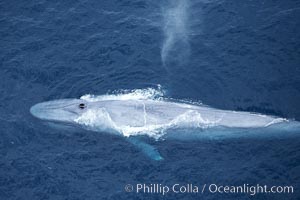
227	54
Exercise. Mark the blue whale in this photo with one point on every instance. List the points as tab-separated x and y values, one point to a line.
130	117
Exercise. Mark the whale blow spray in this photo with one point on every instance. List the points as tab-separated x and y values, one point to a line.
175	46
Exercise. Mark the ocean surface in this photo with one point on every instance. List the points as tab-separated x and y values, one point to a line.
231	55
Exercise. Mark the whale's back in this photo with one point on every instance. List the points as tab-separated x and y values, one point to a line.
139	113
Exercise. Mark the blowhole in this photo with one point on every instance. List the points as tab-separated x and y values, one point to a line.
82	106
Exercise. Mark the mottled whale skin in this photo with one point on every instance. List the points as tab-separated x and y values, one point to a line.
144	116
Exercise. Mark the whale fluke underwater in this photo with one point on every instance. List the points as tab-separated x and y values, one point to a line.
141	113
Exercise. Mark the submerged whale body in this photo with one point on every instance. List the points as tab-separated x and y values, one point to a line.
134	114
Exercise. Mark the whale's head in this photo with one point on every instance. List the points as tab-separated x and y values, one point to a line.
64	110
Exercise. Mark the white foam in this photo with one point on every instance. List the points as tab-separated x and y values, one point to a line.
136	94
191	119
276	121
97	119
